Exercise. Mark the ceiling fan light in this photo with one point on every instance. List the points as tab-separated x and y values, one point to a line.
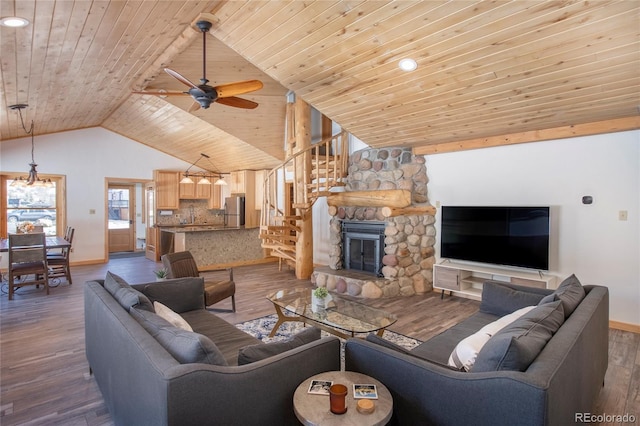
407	64
14	22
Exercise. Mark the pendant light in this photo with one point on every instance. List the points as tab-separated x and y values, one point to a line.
203	177
33	178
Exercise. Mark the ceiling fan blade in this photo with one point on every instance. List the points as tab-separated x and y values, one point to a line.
238	88
180	78
160	93
194	107
237	102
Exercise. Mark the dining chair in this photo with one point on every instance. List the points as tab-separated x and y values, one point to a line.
182	264
27	257
58	263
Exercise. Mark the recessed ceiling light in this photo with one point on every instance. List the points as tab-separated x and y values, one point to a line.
407	64
14	21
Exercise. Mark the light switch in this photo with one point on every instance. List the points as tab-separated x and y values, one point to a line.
92	211
622	215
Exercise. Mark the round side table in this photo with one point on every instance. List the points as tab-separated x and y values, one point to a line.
313	409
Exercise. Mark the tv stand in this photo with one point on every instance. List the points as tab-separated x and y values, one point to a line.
466	280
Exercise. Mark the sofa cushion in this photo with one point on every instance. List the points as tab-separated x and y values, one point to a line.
374	338
185	346
254	353
519	343
439	348
465	353
126	295
570	292
498	299
171	317
180	294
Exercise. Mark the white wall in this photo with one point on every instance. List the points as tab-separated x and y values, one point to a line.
591	241
86	157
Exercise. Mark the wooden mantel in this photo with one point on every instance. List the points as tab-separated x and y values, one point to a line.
381	198
394	202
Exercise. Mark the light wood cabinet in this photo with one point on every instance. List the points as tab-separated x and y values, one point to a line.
467	280
195	191
167	189
215	200
239	181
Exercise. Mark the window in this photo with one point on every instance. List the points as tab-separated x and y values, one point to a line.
28	206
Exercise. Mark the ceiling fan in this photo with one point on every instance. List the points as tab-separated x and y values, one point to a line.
203	94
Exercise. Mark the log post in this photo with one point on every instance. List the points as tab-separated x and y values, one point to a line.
304	245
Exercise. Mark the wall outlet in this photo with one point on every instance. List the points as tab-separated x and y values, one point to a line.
92	211
622	215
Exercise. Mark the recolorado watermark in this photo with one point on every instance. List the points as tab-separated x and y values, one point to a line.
604	418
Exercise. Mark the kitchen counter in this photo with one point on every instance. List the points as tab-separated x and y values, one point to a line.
197	228
215	246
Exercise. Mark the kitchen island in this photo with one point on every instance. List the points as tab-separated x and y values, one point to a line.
215	247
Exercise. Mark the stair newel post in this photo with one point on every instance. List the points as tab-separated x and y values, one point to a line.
304	245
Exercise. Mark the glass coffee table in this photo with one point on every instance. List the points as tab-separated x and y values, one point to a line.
342	317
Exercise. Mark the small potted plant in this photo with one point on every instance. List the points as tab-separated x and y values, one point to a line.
320	297
161	274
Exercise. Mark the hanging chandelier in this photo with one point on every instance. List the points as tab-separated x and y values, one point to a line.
203	177
33	178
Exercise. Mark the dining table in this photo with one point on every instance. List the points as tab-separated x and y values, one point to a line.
51	242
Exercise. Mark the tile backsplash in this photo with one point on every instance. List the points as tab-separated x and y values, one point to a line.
202	214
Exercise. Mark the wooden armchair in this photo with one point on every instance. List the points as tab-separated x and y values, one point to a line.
27	256
182	264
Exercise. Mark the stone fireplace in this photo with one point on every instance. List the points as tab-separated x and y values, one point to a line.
404	244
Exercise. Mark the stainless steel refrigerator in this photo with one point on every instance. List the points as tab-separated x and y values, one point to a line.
234	211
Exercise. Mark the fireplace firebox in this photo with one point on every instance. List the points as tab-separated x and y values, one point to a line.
363	246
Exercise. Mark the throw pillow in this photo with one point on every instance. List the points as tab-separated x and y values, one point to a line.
171	317
185	346
254	353
518	344
465	353
126	295
570	292
499	299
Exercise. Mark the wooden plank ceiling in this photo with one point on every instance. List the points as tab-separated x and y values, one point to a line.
485	69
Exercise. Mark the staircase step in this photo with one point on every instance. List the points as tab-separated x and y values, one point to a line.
280	248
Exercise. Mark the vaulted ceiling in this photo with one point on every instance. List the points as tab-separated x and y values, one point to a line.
486	69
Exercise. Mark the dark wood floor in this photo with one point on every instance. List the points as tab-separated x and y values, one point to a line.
44	376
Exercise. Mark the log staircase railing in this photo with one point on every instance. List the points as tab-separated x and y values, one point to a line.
323	167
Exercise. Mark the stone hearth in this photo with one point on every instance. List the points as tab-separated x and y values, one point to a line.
409	239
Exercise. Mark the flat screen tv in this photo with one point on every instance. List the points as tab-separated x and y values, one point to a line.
513	236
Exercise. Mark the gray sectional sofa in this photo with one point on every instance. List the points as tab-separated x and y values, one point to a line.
542	369
152	374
